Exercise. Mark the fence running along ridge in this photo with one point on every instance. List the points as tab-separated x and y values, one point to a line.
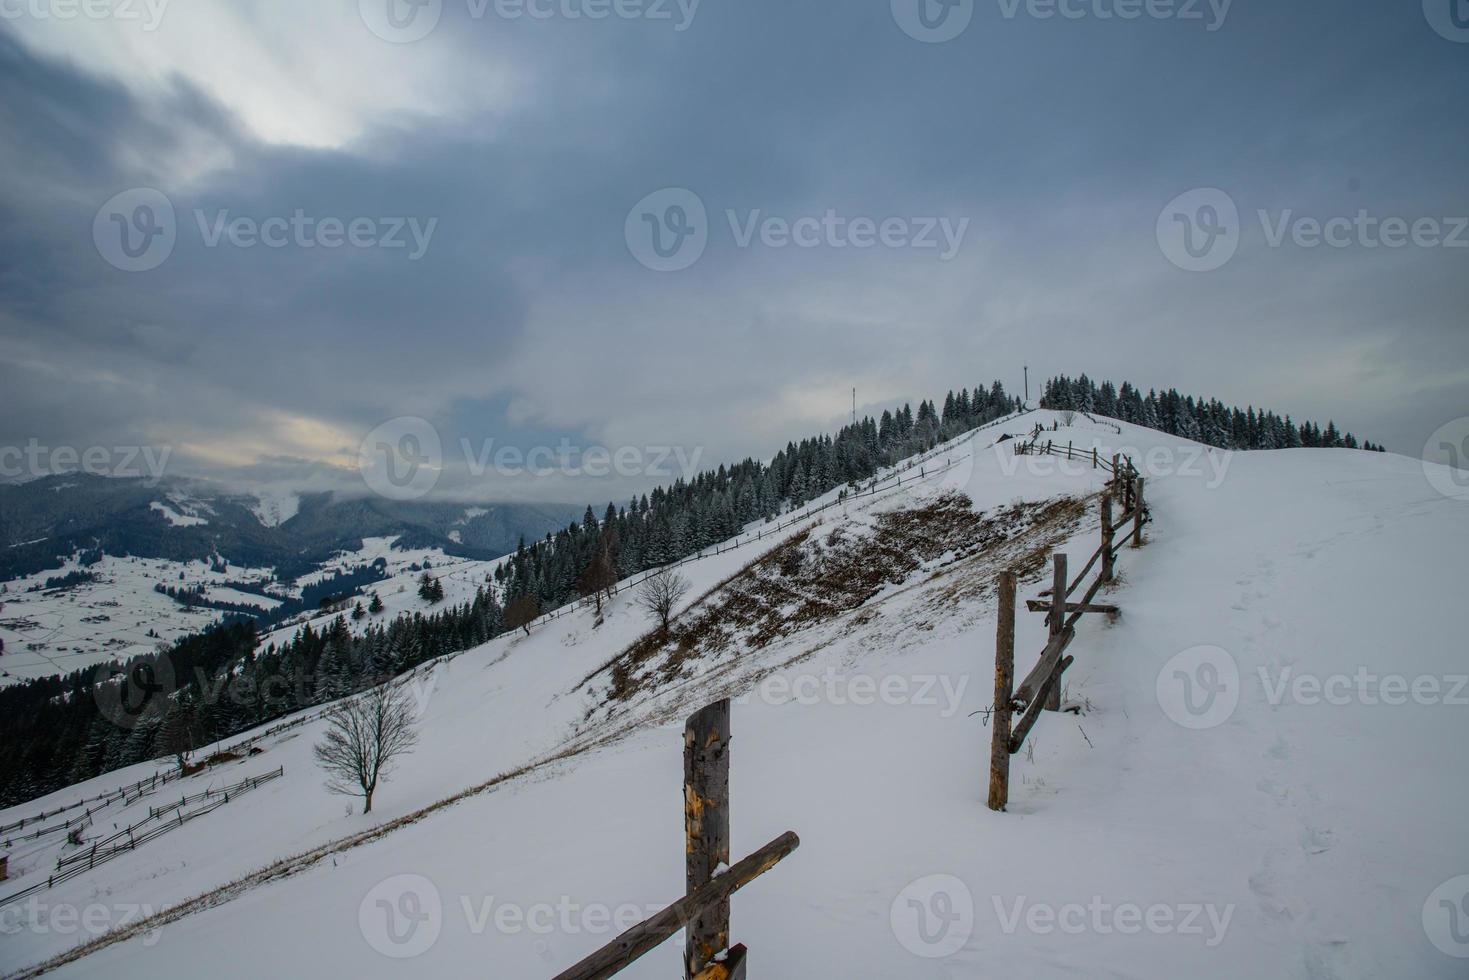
80	863
1041	689
703	912
875	485
892	481
157	779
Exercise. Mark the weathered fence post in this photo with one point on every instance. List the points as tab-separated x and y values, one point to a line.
1004	693
706	825
1109	561
1137	515
1058	619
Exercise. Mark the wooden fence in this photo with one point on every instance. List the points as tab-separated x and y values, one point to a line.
703	912
142	786
1017	709
103	851
874	486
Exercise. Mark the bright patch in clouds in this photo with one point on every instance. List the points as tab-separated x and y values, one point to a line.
305	74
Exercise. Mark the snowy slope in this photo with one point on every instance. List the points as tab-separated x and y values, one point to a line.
1265	833
120	615
117	616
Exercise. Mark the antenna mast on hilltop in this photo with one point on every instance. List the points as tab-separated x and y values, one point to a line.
854	406
1027	384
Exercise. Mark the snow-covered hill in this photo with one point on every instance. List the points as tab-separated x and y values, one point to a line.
119	614
1297	812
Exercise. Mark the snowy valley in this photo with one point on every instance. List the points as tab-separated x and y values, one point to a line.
1257	771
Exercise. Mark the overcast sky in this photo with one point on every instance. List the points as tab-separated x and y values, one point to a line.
466	196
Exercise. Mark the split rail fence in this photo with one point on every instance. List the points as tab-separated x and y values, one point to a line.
703	912
105	850
1018	709
130	792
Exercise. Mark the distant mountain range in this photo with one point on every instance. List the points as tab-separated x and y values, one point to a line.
177	519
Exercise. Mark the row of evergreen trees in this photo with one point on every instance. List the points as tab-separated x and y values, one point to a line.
675	522
52	732
1208	421
55	731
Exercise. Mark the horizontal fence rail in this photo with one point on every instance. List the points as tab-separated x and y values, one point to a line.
105	799
155	814
78	864
1017	708
703	911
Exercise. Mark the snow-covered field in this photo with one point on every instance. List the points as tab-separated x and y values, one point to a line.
120	615
461	578
115	617
1267	776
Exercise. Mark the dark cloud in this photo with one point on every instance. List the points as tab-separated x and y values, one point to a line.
523	145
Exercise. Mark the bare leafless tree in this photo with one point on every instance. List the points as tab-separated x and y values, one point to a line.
660	592
364	735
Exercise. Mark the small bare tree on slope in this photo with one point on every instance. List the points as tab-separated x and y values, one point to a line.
660	592
364	736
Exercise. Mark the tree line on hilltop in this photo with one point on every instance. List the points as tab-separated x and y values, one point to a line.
54	732
1208	421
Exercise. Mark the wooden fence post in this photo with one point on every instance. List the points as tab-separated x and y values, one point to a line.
1058	619
1137	516
1004	692
706	824
1109	561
